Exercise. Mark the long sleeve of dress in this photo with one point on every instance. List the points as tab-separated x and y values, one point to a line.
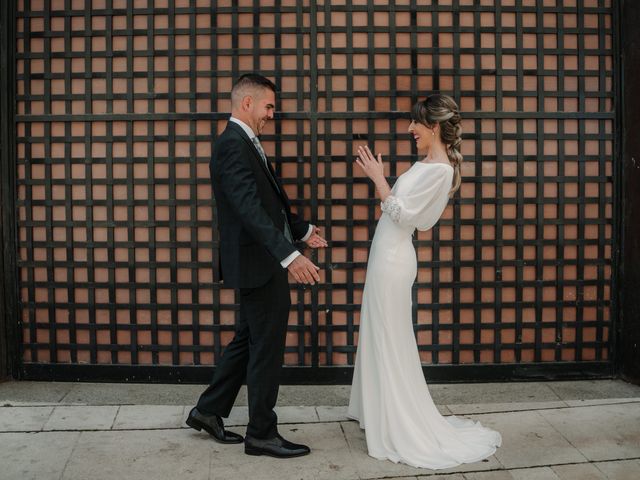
420	201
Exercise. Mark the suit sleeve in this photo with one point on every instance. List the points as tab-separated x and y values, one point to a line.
237	182
299	227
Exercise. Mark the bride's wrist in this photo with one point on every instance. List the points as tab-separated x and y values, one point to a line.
383	189
379	181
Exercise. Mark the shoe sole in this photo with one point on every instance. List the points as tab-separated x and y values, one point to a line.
200	426
258	451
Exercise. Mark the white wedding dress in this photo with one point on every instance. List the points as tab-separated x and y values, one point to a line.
389	394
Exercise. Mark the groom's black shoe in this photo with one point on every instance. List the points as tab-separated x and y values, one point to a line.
274	447
213	425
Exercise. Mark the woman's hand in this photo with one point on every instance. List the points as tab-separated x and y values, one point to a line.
372	166
374	169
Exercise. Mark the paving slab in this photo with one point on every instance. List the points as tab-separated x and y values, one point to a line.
169	394
141	417
35	456
141	455
23	419
491	463
330	458
82	418
603	432
528	440
369	467
300	414
312	395
407	478
185	413
332	414
580	471
594	389
131	394
620	470
541	473
469	409
547	433
535	473
33	392
238	416
11	403
444	410
601	401
493	475
454	476
455	394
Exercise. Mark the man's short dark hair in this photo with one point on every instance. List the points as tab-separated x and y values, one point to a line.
249	84
254	80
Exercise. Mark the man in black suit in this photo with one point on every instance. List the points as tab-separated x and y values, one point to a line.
257	230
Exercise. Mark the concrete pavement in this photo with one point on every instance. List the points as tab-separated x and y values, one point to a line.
571	430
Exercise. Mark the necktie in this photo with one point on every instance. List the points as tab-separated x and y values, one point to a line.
287	228
256	142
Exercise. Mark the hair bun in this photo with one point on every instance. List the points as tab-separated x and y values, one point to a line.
446	117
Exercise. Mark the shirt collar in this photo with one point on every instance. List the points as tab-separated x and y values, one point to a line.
247	129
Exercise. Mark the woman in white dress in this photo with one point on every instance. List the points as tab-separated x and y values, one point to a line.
389	394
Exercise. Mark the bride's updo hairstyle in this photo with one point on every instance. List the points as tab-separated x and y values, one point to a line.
443	110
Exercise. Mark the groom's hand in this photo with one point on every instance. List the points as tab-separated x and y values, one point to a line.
315	240
304	270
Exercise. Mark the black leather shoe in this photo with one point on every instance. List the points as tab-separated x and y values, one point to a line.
213	425
274	447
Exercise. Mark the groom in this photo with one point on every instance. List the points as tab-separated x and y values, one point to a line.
257	230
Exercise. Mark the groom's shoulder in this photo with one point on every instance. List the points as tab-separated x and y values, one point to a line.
232	133
230	144
233	130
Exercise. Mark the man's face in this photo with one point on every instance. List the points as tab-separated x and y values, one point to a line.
263	108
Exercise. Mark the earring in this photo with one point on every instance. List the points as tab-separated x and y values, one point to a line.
433	133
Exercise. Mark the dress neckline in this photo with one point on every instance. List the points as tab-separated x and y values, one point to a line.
433	163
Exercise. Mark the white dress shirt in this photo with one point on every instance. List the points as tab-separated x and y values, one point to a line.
250	133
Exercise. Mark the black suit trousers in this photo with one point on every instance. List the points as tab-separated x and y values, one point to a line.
255	354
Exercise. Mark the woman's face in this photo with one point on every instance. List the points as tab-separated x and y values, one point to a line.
422	135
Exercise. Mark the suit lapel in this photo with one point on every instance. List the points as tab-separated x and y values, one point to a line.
274	177
265	166
268	171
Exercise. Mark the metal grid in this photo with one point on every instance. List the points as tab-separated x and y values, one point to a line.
118	107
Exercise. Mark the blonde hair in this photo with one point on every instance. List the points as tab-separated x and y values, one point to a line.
443	110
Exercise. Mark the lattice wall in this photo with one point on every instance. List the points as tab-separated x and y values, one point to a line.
119	104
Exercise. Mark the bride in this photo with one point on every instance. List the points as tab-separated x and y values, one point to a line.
389	394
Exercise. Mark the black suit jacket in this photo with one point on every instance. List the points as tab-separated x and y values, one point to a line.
251	206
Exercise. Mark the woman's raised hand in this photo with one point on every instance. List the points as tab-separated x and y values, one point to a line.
372	166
